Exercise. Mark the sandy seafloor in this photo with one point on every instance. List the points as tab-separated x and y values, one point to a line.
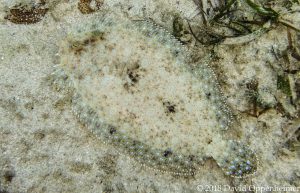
43	147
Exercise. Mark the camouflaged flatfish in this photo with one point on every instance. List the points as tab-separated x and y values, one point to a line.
133	85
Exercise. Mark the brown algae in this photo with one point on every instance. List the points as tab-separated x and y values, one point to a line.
27	14
85	6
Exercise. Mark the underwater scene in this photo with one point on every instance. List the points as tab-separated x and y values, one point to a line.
158	96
